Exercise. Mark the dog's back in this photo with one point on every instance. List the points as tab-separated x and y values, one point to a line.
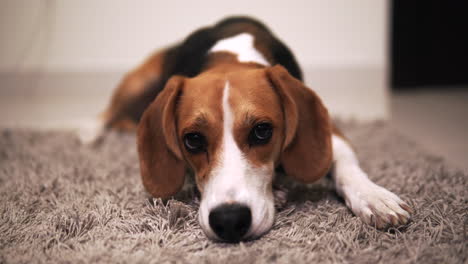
188	58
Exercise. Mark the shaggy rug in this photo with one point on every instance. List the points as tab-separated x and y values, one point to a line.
61	201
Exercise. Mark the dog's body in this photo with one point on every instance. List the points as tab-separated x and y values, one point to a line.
229	104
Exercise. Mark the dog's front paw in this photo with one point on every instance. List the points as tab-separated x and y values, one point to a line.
377	206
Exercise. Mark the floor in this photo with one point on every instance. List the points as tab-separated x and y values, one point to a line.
436	118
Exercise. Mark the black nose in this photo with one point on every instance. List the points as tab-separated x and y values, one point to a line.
230	221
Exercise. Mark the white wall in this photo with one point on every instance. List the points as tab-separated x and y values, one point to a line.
109	35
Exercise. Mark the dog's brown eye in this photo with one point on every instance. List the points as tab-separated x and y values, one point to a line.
194	142
260	134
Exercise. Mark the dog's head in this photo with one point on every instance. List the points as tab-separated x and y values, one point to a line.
233	130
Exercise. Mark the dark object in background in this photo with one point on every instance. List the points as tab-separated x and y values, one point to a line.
429	43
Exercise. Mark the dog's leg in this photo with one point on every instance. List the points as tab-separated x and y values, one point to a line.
374	204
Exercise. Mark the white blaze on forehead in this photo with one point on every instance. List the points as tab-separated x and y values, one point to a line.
232	164
243	46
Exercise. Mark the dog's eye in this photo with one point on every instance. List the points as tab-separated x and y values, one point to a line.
260	134
194	142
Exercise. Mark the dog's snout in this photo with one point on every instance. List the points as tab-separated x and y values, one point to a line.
230	221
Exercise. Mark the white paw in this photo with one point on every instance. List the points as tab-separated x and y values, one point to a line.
89	130
376	205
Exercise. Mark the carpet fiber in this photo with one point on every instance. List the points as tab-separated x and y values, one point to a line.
65	202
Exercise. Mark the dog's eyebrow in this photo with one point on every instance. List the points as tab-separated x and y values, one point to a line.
251	119
198	122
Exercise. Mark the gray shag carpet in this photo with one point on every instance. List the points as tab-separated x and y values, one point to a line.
61	201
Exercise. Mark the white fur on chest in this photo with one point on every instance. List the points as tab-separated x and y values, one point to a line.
243	46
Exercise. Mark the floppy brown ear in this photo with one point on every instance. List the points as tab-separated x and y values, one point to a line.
161	164
307	151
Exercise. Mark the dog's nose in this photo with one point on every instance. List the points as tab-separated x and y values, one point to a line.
230	221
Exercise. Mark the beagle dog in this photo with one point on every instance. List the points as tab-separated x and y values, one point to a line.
228	104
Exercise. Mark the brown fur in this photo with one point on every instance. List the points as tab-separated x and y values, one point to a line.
199	109
307	151
161	165
253	100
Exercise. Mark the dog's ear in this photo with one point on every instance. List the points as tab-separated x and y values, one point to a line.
307	151
162	166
